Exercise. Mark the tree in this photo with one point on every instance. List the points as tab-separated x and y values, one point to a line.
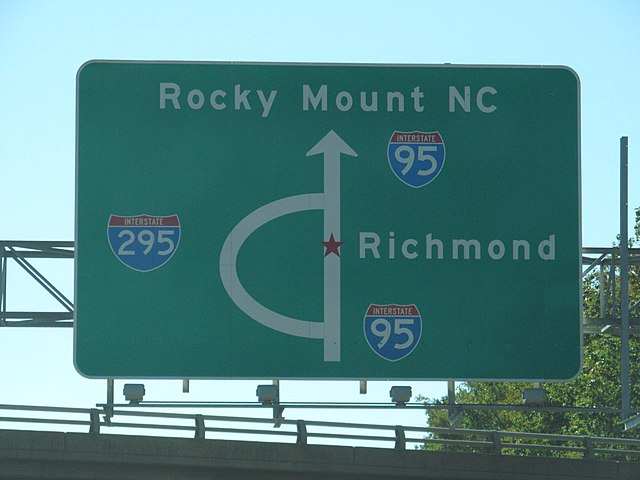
598	386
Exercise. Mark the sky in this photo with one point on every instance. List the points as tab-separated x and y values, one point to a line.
44	43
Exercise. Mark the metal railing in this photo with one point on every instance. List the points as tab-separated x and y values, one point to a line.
303	432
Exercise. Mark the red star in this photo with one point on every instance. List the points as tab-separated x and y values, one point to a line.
331	246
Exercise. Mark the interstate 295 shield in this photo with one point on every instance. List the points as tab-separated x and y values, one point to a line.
143	242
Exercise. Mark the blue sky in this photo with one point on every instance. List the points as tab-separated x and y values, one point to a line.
43	43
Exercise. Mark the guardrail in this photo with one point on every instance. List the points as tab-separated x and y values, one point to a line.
98	422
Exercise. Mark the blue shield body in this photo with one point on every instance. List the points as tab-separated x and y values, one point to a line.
143	242
416	158
392	331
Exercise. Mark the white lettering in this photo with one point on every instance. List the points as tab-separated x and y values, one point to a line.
213	99
465	103
241	98
369	241
399	97
430	242
417	95
466	245
525	249
173	95
405	248
195	99
373	107
392	245
547	248
456	249
492	249
344	101
454	96
480	99
319	99
267	103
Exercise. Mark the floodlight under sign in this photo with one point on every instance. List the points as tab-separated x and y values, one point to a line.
400	394
533	396
267	393
133	392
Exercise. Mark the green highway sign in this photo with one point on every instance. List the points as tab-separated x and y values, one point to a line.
327	221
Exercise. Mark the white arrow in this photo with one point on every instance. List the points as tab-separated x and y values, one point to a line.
229	269
332	146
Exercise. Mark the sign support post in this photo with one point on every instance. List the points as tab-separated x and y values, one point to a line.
624	278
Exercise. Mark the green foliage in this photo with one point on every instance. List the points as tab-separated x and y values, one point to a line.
598	386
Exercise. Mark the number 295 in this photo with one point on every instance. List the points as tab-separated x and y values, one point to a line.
146	239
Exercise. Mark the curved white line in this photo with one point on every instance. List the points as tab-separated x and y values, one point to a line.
229	273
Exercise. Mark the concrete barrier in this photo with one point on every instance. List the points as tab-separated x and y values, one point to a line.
75	456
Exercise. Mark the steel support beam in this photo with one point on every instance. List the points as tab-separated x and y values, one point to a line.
624	279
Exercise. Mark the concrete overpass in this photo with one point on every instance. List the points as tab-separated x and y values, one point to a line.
79	456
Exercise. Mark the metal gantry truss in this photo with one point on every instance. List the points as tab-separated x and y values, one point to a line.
605	261
22	253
